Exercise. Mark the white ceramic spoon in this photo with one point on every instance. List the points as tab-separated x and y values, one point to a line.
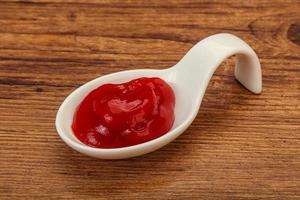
188	78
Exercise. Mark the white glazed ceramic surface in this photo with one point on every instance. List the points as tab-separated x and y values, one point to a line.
189	79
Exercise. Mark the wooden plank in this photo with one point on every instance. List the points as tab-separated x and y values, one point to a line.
240	146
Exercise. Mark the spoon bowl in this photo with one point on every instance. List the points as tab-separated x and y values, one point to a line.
188	78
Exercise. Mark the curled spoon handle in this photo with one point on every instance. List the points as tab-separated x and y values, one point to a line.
205	57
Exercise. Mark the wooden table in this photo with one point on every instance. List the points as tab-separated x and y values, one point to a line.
240	146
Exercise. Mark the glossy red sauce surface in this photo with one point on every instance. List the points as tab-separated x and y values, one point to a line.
120	115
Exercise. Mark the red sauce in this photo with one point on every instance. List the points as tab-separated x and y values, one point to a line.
120	115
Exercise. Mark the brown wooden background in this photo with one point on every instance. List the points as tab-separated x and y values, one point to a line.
241	146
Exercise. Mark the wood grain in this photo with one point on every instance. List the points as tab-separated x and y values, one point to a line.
240	146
